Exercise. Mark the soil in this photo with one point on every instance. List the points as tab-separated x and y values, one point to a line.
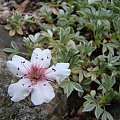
74	107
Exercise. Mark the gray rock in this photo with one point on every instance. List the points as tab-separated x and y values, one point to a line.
24	110
5	39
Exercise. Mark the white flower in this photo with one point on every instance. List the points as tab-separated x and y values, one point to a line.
36	76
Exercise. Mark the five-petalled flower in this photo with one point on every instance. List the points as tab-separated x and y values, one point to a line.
36	76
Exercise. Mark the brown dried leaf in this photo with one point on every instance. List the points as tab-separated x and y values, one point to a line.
7	27
19	31
11	32
53	10
20	8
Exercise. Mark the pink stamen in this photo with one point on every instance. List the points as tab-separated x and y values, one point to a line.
36	73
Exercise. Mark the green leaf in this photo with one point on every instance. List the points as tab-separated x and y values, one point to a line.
86	84
14	46
114	59
89	107
108	81
104	49
104	116
9	50
69	86
80	75
50	33
98	111
109	116
90	99
77	87
33	38
110	49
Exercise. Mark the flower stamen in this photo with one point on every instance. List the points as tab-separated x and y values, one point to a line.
36	74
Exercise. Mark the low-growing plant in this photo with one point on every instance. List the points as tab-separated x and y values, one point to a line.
14	25
87	36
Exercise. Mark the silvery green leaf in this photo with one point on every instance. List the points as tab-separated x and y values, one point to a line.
104	115
80	75
34	38
89	107
14	46
50	33
9	50
114	59
109	116
77	86
98	111
93	77
90	99
67	86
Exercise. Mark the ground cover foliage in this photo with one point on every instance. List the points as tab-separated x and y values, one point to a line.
86	35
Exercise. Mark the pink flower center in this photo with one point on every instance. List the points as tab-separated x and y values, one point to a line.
36	74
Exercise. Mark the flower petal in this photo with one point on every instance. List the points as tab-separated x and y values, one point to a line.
19	90
36	95
58	72
42	92
18	66
42	58
48	91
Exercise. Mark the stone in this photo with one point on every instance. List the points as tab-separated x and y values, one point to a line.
24	110
5	39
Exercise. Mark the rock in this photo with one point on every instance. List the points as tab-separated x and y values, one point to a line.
5	39
25	110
